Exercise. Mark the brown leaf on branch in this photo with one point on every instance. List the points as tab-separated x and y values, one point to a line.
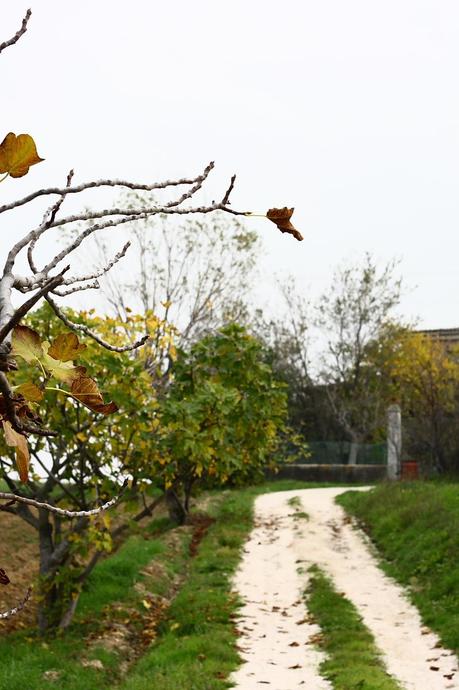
17	154
86	391
281	217
66	347
4	579
19	442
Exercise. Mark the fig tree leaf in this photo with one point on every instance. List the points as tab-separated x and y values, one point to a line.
19	442
86	391
26	343
62	371
30	391
281	218
66	347
17	154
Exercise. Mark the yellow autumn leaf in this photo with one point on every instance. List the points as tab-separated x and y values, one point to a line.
19	442
26	343
17	154
30	391
62	371
66	347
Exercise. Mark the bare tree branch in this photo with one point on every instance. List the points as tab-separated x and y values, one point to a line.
16	609
87	331
107	183
27	306
18	34
61	511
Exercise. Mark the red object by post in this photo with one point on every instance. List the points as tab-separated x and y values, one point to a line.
410	470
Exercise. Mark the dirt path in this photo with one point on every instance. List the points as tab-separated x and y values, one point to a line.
277	640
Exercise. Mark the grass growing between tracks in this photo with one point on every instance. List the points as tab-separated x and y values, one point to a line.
415	526
353	660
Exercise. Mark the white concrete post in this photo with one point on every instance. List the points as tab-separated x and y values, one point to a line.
394	442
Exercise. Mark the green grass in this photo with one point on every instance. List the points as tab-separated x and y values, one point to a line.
197	649
352	661
196	646
24	657
415	526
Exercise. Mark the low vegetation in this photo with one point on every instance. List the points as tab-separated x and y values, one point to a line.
150	591
416	529
353	660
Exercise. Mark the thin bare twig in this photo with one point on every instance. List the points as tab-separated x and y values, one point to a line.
19	607
106	183
87	331
18	34
61	511
49	217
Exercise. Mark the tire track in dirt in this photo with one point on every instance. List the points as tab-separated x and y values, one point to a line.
273	575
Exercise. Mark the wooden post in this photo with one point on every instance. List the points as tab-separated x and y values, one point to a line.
394	442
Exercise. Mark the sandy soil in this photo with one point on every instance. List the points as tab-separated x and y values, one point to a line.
277	639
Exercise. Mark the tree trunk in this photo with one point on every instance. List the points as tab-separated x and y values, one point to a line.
177	511
353	449
47	599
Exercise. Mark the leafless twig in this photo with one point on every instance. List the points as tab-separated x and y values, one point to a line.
5	496
18	34
16	609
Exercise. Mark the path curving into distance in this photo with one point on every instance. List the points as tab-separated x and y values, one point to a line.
276	636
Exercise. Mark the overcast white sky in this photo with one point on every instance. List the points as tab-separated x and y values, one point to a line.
348	111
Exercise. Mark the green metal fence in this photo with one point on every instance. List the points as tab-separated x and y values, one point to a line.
337	453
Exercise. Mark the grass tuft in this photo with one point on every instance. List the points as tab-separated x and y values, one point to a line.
353	661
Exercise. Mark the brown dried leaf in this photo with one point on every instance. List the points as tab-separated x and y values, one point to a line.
19	442
4	579
281	218
17	154
66	347
86	391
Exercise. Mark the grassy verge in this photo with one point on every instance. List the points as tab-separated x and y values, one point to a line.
353	660
195	644
115	590
197	648
416	529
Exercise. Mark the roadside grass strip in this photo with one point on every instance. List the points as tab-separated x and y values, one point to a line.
415	526
352	661
79	660
197	649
